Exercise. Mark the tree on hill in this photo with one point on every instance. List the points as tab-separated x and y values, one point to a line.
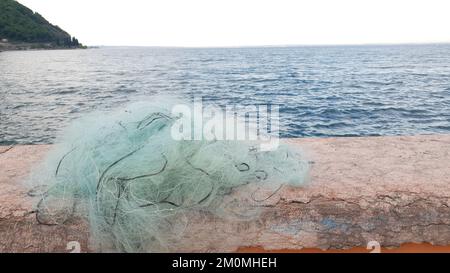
20	24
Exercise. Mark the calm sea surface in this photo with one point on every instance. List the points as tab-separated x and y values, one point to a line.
323	91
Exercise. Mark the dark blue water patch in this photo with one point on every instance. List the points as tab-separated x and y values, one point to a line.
67	91
7	142
16	107
442	128
333	125
124	90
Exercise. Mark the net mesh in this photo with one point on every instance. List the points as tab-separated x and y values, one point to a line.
135	184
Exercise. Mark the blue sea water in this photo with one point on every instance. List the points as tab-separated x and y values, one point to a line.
322	91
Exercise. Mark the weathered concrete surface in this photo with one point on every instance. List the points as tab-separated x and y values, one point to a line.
392	190
19	230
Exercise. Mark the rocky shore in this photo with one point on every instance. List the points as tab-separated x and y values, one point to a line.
7	46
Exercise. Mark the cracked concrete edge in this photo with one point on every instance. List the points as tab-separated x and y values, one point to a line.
393	190
19	230
4	149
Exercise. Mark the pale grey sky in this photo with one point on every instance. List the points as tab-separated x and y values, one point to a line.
248	22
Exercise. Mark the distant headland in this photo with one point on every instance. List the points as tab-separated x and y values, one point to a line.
23	29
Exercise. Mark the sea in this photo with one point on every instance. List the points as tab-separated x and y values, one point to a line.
321	91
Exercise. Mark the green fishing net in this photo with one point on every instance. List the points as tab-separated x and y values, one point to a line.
135	185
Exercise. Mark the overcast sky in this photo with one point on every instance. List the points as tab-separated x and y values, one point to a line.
248	22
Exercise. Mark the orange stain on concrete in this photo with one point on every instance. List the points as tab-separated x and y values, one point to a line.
404	248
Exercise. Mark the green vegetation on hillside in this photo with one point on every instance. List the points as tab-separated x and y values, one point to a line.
20	24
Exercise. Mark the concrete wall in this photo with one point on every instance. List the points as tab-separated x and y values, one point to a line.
392	190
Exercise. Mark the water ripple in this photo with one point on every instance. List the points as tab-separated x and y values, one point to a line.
322	91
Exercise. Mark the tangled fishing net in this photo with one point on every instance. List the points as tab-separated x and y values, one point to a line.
136	185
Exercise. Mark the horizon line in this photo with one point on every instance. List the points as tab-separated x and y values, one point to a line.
283	45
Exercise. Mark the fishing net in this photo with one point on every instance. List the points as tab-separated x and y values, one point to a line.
135	184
